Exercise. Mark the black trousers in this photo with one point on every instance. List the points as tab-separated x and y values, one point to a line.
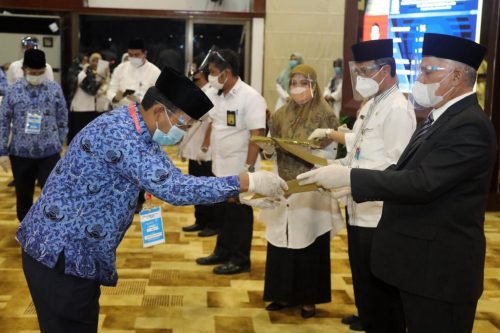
26	171
77	120
205	215
234	240
379	304
63	303
425	315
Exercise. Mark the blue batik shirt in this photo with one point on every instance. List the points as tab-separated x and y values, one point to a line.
22	98
3	83
89	199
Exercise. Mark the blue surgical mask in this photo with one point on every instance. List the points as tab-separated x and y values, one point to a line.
338	71
172	137
292	63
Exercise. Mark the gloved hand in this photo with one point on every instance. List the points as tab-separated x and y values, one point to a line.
340	192
344	129
263	203
202	155
320	133
5	163
330	176
266	184
267	148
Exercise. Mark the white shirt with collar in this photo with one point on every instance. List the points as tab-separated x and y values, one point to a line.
230	143
16	72
379	144
194	137
128	77
436	113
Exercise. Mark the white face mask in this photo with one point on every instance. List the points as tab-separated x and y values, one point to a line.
366	86
35	80
214	82
425	94
135	61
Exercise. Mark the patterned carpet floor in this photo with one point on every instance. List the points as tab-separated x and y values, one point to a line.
162	290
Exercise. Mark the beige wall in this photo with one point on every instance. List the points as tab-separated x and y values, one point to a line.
314	28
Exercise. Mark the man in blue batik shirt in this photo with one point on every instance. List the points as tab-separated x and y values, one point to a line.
69	237
34	112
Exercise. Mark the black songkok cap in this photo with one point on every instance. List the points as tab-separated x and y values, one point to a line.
453	48
136	44
372	50
34	58
183	93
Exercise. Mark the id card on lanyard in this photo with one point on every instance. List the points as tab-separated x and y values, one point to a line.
33	118
150	217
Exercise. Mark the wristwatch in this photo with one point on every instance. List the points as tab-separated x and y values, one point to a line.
204	149
250	168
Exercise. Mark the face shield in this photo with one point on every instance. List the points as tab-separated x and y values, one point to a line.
363	82
426	77
177	116
301	88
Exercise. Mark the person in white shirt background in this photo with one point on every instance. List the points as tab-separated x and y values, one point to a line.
283	78
195	147
333	91
16	72
381	132
130	81
239	112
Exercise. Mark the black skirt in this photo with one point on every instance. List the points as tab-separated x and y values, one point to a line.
299	276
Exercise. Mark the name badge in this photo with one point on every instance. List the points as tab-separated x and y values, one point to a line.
152	227
33	123
231	118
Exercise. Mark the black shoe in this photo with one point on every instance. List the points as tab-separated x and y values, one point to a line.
307	313
276	306
192	227
350	319
230	268
207	232
11	183
212	259
357	326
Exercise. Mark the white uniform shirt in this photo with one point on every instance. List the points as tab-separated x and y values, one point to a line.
193	139
230	143
15	72
127	76
336	95
82	101
384	127
302	217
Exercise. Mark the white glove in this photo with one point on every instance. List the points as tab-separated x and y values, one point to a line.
263	203
267	148
330	176
266	184
320	133
344	129
5	163
202	156
340	192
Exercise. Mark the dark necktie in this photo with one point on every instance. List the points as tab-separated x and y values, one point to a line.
426	125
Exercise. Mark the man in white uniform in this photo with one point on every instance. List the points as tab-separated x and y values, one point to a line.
239	112
131	79
15	71
195	147
383	129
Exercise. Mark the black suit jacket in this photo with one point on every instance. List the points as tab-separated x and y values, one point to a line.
430	239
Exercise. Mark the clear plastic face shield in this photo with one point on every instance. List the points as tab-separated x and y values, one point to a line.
301	88
426	77
364	79
177	117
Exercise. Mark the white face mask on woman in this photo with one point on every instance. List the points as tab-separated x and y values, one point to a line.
425	94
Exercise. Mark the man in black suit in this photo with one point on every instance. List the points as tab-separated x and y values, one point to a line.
430	241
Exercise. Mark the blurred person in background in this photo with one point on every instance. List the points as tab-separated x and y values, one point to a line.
16	71
283	79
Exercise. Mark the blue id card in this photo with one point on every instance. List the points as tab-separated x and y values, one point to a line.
152	227
33	123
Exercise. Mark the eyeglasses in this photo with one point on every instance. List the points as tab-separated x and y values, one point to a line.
181	120
367	70
431	69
